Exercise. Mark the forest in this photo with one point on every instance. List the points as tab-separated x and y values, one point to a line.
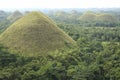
96	55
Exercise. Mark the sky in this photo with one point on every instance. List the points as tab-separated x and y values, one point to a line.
22	4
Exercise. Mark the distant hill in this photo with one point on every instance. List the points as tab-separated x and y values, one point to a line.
7	18
14	16
106	18
3	21
35	34
90	18
3	15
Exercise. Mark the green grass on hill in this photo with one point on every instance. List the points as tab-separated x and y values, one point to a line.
34	34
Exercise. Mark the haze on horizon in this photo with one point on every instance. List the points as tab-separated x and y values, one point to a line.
23	4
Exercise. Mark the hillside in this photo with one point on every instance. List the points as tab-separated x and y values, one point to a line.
33	34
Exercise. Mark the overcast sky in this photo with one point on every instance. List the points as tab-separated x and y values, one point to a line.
16	4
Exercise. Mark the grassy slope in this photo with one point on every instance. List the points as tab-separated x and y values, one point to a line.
33	34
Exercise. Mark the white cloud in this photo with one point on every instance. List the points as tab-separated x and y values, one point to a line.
58	3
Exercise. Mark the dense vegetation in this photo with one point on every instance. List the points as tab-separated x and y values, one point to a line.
96	57
91	60
94	33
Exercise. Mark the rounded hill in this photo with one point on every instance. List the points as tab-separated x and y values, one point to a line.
35	33
88	17
106	18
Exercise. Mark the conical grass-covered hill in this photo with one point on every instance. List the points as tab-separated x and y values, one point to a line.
33	34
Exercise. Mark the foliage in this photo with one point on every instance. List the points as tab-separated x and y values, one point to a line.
94	33
75	64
